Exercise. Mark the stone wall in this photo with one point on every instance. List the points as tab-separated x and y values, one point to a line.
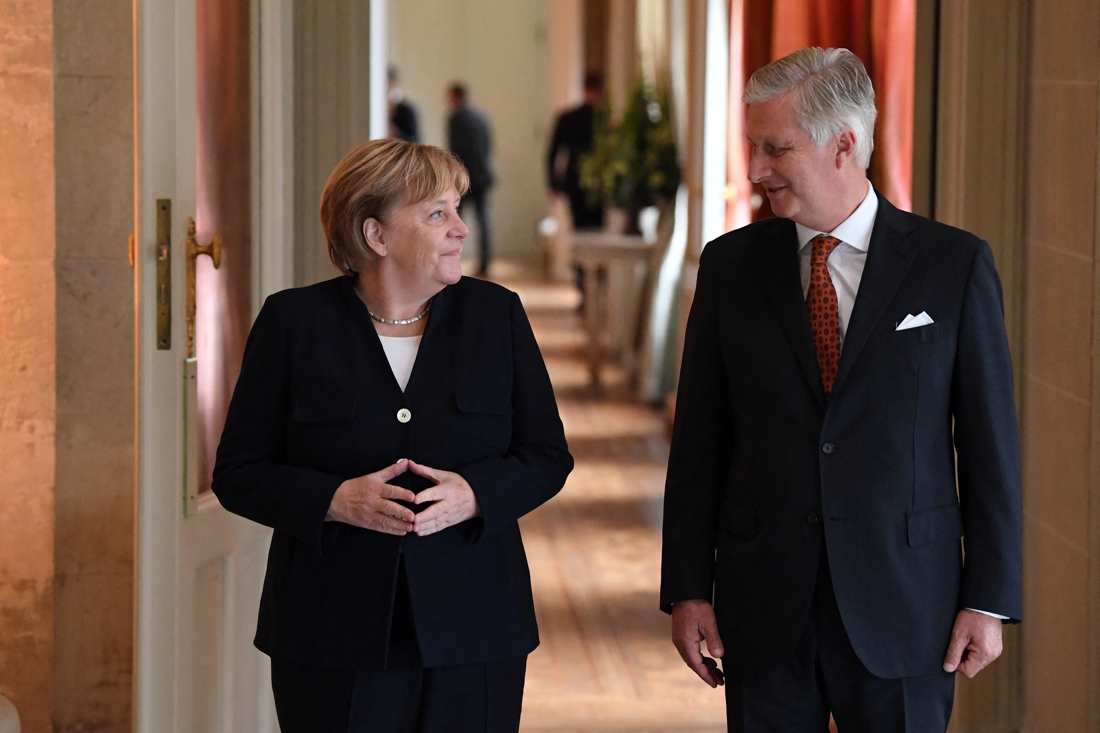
66	363
1061	440
27	359
94	583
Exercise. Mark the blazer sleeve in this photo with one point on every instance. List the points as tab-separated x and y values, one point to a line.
251	477
987	449
702	439
537	462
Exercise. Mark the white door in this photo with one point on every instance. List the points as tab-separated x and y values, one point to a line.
200	99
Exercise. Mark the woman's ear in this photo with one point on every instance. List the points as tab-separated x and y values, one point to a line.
374	236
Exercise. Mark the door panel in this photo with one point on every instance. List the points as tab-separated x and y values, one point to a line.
200	573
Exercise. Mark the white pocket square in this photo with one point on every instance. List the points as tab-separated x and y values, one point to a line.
912	321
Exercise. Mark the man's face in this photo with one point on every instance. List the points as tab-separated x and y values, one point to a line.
802	180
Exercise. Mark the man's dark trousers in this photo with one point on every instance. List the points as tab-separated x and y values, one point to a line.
824	674
480	201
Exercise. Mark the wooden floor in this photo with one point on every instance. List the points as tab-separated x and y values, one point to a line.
605	662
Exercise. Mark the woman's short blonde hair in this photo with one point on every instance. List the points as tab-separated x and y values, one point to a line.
373	180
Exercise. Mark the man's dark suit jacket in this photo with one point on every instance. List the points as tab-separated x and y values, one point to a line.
572	139
763	468
406	122
317	403
469	137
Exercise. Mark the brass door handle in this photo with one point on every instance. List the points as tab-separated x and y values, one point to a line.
212	250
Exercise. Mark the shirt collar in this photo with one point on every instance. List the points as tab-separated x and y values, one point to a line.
855	230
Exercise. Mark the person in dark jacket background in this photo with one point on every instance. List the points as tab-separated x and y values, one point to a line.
392	425
404	120
572	139
471	139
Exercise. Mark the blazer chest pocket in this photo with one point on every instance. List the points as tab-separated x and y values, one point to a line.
323	409
483	401
938	524
912	336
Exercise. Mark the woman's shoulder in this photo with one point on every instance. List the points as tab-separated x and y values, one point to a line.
475	290
322	295
480	305
482	287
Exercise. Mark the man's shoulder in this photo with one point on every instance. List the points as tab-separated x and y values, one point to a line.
740	243
578	114
931	233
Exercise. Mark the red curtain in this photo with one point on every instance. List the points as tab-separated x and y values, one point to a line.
882	33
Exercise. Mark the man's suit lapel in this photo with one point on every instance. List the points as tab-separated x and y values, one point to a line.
779	262
889	257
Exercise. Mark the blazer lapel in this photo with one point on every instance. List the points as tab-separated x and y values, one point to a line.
432	357
779	265
369	358
889	257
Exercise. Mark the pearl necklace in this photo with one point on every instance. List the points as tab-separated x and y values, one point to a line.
405	322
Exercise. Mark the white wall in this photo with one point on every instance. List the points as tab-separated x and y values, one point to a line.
501	50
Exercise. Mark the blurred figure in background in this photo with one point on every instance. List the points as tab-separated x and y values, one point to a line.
469	137
404	123
572	139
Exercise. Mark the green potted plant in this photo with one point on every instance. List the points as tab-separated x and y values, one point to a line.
633	163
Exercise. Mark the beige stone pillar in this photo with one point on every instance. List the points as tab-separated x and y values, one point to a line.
566	53
622	50
1019	164
94	564
1061	371
28	359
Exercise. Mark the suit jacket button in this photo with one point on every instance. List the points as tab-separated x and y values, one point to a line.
827	448
403	415
812	519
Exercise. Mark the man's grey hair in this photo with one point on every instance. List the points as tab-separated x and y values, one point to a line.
830	90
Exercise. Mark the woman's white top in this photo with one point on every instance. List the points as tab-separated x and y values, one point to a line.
401	353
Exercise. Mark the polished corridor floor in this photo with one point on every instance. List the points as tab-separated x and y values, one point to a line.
605	662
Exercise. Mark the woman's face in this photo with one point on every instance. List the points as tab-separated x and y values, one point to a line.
423	242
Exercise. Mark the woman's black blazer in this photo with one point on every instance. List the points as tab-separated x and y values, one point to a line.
317	403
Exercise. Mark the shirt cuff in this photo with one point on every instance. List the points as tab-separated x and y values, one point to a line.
987	613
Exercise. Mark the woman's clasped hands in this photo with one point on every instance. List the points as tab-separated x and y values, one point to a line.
371	502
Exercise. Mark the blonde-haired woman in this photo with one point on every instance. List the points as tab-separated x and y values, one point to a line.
392	424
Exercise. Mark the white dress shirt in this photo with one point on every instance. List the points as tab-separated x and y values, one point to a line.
846	265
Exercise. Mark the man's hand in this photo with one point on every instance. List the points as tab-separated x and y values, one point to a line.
975	642
694	622
368	502
454	500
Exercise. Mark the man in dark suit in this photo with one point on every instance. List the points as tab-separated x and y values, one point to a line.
470	138
572	139
845	415
404	120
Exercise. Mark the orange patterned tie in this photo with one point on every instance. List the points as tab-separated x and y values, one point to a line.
824	311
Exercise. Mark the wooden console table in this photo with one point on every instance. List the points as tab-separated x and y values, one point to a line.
594	253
